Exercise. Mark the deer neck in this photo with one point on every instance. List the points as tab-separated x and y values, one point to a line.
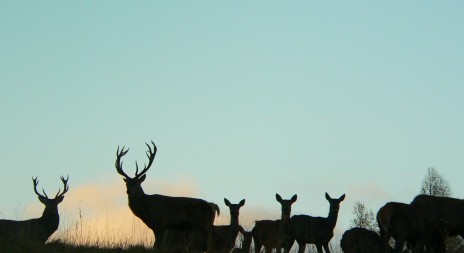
246	245
137	203
234	221
333	216
285	217
50	219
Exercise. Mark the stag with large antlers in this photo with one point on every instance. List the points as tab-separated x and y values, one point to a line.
165	214
40	229
272	233
316	230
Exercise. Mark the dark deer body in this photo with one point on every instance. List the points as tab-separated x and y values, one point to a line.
224	236
246	241
315	230
450	210
271	233
39	229
406	223
361	240
166	215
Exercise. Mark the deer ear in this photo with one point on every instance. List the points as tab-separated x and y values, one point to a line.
240	228
242	202
327	196
342	197
142	178
59	199
293	199
43	200
227	202
278	197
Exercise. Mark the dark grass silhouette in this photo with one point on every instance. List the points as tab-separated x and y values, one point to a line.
166	215
35	230
59	247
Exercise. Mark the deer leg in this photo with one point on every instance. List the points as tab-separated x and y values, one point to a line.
258	246
419	248
326	248
319	248
267	249
288	245
385	237
301	246
399	246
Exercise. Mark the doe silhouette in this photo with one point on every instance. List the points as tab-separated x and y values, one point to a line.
224	236
315	230
406	223
271	233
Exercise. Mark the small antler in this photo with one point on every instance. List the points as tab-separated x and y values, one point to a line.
65	187
36	182
151	156
118	163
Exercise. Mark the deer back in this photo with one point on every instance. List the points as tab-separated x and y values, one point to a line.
448	209
407	223
271	233
309	229
361	240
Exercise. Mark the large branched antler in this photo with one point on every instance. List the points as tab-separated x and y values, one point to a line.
118	163
151	152
151	156
36	182
65	187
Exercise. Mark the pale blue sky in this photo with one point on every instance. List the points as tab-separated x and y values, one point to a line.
245	98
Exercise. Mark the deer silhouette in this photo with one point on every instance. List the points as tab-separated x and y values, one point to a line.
315	230
40	229
271	233
406	223
224	236
448	209
246	241
167	215
361	240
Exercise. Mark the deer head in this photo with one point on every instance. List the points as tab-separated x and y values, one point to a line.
133	184
334	203
286	205
51	205
234	208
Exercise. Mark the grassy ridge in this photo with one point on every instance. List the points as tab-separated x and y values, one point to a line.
59	247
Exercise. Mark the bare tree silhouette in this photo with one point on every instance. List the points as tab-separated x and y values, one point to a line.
39	229
164	214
